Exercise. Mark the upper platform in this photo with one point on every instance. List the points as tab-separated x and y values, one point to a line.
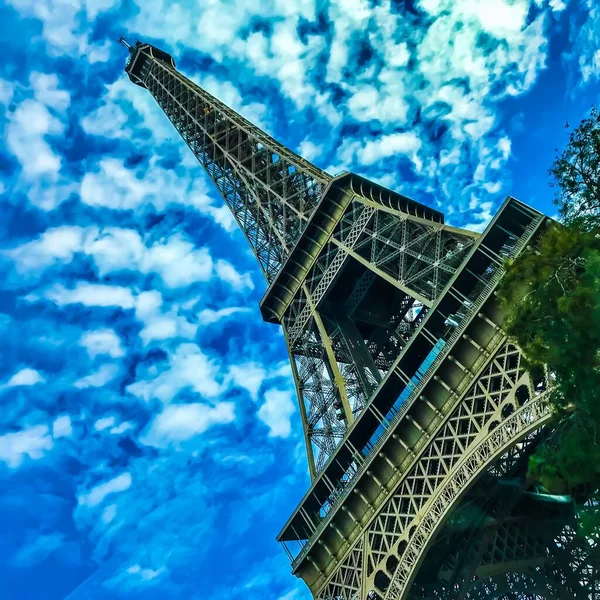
322	223
138	56
431	372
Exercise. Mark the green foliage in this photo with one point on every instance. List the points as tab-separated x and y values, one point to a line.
570	460
576	174
551	296
589	519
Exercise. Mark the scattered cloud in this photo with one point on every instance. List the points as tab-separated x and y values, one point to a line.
145	574
188	368
276	411
25	377
100	492
208	316
175	260
28	129
101	342
36	550
62	427
91	294
140	390
180	422
585	37
33	442
104	423
99	378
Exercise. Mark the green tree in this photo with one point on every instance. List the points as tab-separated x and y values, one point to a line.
551	294
576	174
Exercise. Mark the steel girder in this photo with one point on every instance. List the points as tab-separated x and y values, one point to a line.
488	421
416	258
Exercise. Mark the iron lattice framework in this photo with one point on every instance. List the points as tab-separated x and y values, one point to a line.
271	191
409	391
308	230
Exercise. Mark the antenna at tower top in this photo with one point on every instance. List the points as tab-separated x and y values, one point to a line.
125	43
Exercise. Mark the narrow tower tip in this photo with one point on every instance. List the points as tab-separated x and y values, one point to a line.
124	42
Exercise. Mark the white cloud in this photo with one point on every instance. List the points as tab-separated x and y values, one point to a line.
114	249
26	139
102	342
282	55
91	294
229	274
62	427
309	150
208	316
481	215
159	328
189	368
180	422
47	91
504	145
374	150
58	18
33	441
585	42
109	513
501	18
249	376
108	120
558	5
179	263
114	185
95	7
25	377
32	122
368	103
99	378
276	412
54	245
65	26
104	423
492	187
7	90
160	324
175	259
98	493
37	549
121	428
145	574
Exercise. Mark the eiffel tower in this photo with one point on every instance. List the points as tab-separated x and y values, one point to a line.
418	412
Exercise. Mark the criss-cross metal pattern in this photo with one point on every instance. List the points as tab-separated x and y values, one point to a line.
416	258
273	193
491	416
270	190
522	560
374	292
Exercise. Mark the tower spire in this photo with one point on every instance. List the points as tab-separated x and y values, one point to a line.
271	191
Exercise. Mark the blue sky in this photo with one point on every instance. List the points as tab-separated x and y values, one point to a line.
150	446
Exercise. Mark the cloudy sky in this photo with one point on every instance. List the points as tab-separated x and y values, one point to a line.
149	442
